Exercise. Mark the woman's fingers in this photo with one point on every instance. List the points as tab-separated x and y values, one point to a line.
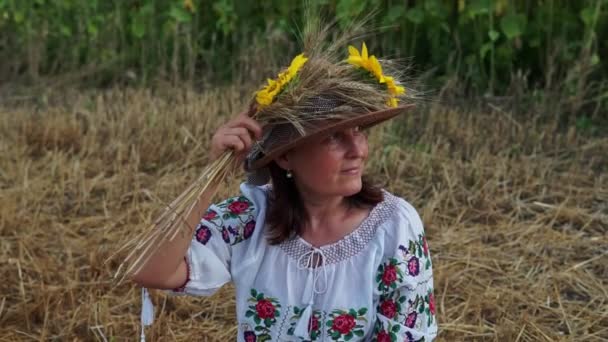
250	124
243	134
234	142
238	134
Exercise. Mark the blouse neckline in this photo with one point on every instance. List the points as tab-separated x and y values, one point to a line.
352	243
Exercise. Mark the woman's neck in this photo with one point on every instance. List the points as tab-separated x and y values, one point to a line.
330	218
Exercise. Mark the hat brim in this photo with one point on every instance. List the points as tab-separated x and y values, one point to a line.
364	120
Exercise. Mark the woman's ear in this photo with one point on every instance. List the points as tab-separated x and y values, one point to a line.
283	161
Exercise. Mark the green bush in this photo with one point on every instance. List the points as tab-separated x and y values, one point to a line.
483	44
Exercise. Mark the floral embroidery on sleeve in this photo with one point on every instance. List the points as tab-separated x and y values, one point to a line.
264	311
389	274
414	252
344	325
233	219
403	305
202	234
390	334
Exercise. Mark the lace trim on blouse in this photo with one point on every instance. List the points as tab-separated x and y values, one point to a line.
352	243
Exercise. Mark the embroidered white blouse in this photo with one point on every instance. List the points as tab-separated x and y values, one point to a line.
374	284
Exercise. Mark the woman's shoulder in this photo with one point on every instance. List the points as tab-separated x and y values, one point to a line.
236	217
251	200
400	218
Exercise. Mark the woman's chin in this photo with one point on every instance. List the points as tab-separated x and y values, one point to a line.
352	187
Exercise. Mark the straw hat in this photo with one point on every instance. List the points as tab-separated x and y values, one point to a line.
321	93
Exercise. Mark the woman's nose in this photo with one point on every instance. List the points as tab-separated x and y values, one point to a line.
357	145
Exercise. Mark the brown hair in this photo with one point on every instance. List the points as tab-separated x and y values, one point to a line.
286	215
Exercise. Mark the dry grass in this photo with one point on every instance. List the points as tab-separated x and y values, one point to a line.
516	214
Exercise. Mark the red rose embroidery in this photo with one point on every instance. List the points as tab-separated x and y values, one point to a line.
265	309
344	324
390	275
210	215
238	207
383	336
432	303
313	324
388	308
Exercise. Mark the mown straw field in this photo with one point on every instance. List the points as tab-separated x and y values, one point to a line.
516	212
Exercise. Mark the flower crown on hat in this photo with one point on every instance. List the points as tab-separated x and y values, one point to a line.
371	64
266	95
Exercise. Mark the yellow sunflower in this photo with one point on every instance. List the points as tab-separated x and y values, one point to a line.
371	64
266	95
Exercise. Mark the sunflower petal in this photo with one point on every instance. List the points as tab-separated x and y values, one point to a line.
352	51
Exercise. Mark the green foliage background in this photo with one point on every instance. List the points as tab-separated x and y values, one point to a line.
486	46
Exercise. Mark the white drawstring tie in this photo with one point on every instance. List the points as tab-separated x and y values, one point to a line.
147	312
302	328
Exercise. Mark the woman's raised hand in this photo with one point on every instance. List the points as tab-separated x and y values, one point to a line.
237	134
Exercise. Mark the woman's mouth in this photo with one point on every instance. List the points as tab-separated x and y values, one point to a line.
351	171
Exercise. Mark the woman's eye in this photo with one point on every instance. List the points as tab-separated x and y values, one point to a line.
332	138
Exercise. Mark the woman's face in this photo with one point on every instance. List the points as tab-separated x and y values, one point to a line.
330	166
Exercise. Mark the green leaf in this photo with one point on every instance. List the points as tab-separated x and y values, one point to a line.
484	50
259	328
493	34
513	25
138	27
395	328
348	336
587	15
267	322
358	332
352	312
264	337
257	320
254	293
249	313
478	7
362	311
260	296
18	16
415	15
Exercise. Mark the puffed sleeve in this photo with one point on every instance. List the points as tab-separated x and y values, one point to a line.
224	225
404	282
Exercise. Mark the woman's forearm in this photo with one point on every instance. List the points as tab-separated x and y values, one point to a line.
166	268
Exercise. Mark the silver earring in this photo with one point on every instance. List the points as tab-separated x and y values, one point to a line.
288	174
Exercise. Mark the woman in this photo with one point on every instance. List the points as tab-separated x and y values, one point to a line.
318	253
